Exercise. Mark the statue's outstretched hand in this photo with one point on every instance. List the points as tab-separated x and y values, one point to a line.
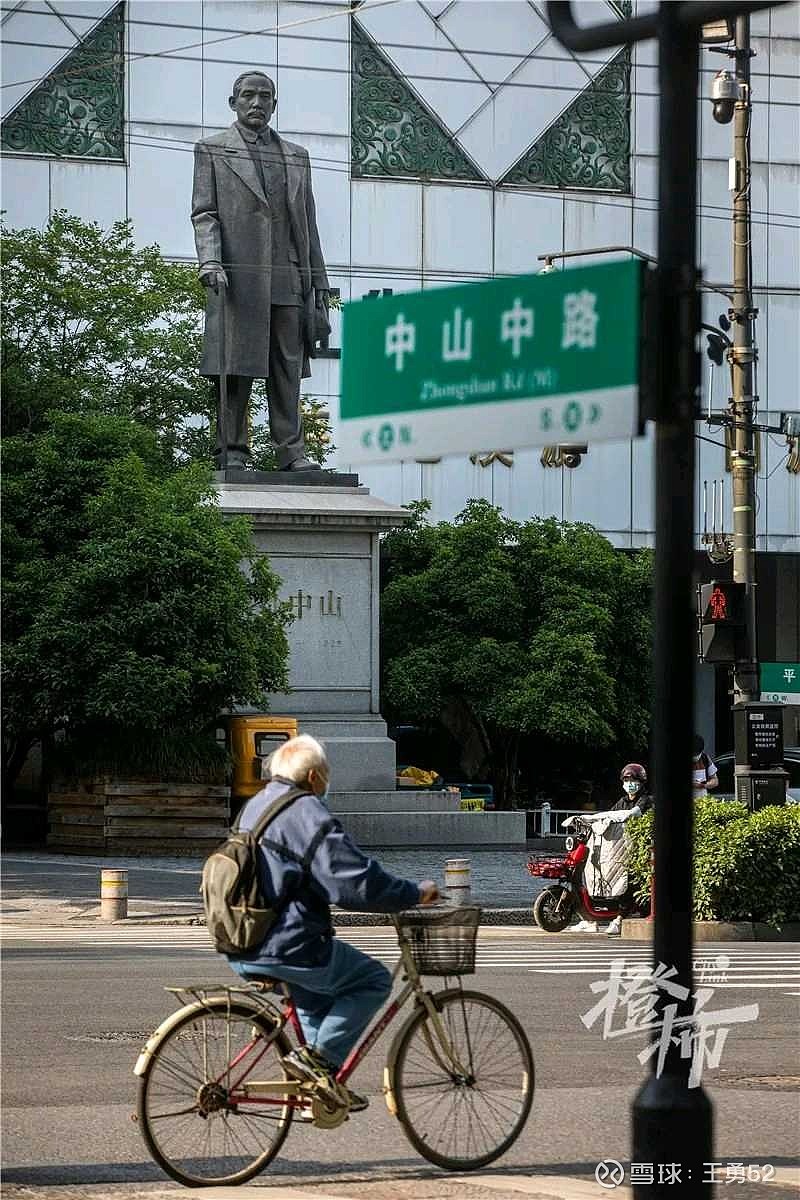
214	277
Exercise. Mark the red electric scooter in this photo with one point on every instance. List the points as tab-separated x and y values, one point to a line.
559	904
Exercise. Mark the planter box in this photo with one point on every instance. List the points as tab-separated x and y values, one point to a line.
133	817
641	929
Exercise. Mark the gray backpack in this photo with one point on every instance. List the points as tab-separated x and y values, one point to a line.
237	914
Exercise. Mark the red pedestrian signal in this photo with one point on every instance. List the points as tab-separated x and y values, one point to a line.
722	619
718	603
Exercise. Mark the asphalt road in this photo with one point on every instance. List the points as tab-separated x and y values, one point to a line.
75	1013
30	876
499	876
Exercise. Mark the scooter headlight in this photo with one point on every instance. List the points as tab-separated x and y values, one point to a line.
570	843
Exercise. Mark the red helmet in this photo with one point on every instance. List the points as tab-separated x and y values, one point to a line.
633	771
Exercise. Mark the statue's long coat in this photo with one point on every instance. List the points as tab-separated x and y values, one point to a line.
233	227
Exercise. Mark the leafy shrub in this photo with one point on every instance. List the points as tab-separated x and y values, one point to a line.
639	840
760	877
746	865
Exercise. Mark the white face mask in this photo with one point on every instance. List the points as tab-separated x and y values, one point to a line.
631	786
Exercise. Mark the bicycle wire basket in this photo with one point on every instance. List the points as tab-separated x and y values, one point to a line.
442	943
546	866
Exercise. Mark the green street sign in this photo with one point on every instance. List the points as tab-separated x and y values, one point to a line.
530	360
780	683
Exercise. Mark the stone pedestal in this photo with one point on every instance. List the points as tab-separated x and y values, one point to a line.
323	543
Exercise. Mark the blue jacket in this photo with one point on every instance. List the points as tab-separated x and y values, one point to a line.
307	857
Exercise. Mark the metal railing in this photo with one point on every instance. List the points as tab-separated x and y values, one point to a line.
548	819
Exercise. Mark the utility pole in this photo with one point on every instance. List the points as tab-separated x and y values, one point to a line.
742	358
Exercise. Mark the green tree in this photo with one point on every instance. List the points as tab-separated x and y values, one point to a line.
507	632
128	621
92	323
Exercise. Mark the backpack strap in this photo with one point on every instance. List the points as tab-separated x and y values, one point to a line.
283	802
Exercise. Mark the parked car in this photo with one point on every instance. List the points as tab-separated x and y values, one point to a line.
725	764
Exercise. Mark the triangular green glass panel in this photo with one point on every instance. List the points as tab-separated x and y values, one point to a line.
393	132
589	145
77	111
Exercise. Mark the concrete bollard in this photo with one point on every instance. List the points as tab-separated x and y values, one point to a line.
113	895
457	886
545	819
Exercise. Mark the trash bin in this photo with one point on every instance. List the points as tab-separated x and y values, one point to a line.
251	739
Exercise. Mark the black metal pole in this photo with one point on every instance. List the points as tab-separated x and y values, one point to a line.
672	1123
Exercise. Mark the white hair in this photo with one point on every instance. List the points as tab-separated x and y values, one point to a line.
295	758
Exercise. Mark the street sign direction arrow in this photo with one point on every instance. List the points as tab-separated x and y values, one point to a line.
526	360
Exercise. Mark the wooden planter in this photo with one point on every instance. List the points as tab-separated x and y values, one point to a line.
130	817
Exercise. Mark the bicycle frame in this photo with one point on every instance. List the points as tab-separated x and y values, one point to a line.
290	1093
414	986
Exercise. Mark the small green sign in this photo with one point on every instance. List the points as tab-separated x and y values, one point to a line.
780	683
527	360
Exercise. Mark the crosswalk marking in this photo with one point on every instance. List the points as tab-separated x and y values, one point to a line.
766	966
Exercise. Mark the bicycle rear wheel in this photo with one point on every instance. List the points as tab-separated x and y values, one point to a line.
192	1127
464	1121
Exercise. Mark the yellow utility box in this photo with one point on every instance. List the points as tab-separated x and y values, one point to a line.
251	740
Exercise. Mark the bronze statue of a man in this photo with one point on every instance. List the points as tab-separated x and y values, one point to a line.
260	259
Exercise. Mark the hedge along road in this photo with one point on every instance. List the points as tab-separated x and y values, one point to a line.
746	865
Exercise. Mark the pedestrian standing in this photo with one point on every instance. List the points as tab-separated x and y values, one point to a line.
704	770
611	837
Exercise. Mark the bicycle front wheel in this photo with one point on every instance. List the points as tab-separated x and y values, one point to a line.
189	1103
461	1106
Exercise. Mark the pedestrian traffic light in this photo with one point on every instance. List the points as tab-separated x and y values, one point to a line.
723	620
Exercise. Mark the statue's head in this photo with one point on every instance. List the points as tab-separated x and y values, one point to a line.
253	99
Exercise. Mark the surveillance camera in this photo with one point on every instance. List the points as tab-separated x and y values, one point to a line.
716	347
724	94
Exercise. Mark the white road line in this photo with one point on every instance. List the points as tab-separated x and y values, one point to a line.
754	966
783	981
787	975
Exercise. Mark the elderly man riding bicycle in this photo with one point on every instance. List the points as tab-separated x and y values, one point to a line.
308	862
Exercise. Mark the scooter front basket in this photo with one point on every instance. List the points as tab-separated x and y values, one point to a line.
547	866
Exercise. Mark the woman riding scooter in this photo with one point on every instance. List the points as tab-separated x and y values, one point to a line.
611	833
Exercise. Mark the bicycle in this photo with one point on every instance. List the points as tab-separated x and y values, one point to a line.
205	1116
